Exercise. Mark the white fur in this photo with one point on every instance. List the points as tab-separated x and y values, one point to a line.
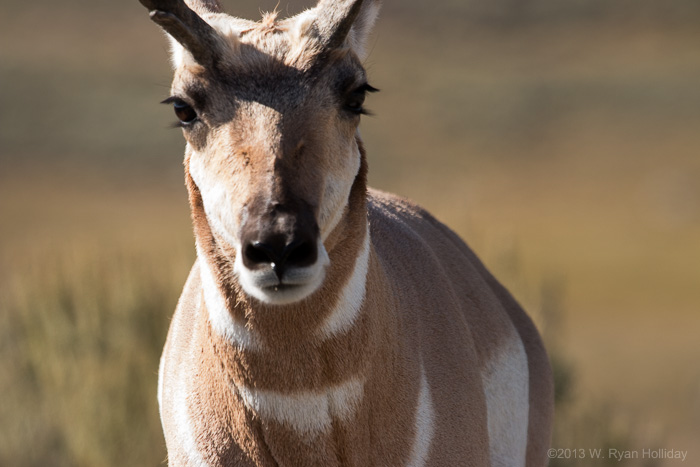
161	368
358	38
173	336
309	413
351	298
506	383
338	184
183	422
177	53
425	424
217	197
187	440
220	317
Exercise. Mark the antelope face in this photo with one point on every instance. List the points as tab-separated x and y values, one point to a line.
270	112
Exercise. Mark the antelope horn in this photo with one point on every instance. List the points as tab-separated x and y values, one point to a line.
186	27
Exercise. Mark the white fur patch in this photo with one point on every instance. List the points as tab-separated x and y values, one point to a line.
174	333
506	385
186	436
351	298
217	197
338	184
219	316
161	368
425	424
183	423
177	53
309	413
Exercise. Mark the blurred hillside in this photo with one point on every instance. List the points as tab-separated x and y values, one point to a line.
561	139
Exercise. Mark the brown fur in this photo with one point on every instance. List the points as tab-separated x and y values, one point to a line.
398	327
268	128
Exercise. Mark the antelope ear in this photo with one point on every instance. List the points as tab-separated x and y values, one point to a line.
340	23
362	27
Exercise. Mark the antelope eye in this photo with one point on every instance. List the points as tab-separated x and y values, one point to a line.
184	112
355	101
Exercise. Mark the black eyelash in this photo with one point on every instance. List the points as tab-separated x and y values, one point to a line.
367	88
182	104
360	92
371	89
172	100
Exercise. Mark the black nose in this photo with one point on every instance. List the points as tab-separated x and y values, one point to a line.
281	252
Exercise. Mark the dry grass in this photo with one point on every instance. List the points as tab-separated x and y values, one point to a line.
562	145
81	336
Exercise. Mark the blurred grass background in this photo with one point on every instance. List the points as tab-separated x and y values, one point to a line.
561	139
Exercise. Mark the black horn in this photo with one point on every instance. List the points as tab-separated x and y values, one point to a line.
186	27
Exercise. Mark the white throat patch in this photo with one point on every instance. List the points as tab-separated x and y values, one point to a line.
351	298
219	316
310	413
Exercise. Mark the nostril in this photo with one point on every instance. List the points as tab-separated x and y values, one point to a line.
259	253
275	252
300	254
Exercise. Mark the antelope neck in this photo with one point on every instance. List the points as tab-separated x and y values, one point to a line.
305	345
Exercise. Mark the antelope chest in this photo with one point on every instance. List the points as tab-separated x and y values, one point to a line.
210	420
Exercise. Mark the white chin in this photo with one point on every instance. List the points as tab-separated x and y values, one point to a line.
280	295
297	284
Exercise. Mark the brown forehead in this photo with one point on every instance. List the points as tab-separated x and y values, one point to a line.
258	68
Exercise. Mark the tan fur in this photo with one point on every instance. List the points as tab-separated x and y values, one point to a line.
421	374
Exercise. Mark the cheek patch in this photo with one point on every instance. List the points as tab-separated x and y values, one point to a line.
218	199
338	184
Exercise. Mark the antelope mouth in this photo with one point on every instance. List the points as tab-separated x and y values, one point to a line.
281	287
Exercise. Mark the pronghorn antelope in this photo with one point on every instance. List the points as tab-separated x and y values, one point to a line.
325	324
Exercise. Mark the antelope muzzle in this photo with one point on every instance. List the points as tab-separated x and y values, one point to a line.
282	259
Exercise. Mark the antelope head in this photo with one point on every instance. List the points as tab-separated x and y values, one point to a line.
270	112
